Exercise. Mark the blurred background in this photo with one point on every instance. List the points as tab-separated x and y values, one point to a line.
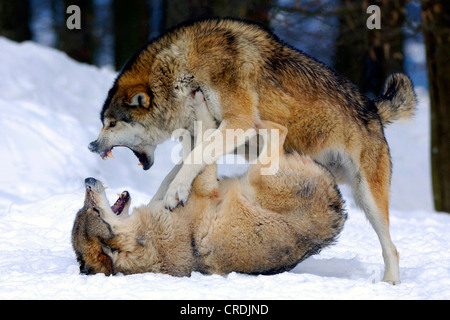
333	31
414	38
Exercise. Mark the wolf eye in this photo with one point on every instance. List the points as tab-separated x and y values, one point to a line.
112	124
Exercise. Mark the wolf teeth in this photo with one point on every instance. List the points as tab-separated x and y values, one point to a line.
107	154
121	195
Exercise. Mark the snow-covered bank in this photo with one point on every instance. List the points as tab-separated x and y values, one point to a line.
49	107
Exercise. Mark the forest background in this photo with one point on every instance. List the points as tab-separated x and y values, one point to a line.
341	33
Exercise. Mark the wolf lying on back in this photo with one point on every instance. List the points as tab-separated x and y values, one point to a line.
247	75
258	224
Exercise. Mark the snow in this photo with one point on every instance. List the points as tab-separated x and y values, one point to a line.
49	112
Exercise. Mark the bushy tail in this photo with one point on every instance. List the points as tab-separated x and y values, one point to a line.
398	100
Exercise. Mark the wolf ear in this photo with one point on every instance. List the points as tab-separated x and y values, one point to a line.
140	99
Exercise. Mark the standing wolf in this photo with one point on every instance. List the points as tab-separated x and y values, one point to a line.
246	75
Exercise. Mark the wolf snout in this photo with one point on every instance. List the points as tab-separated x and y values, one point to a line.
90	182
93	146
94	185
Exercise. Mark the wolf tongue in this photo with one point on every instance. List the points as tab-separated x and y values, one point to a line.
119	205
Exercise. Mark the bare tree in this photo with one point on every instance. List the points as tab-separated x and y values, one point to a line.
79	44
131	28
177	11
436	29
15	19
367	56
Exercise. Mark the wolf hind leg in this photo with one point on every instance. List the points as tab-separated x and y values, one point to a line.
372	195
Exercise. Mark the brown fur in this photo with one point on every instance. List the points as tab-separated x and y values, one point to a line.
252	224
247	75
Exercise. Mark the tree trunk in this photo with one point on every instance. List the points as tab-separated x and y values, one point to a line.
79	44
177	11
385	45
15	19
131	28
367	56
436	29
351	43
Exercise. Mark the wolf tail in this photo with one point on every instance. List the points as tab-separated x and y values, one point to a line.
398	100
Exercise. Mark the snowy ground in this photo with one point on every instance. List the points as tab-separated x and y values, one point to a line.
49	108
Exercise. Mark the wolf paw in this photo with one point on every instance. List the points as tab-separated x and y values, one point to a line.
176	195
391	279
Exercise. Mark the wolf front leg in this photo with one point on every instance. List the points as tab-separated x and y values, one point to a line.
240	120
223	140
187	144
159	195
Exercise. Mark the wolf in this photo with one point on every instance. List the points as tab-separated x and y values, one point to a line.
255	224
247	75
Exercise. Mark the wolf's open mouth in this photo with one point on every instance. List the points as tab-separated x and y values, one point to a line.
107	154
144	160
119	205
